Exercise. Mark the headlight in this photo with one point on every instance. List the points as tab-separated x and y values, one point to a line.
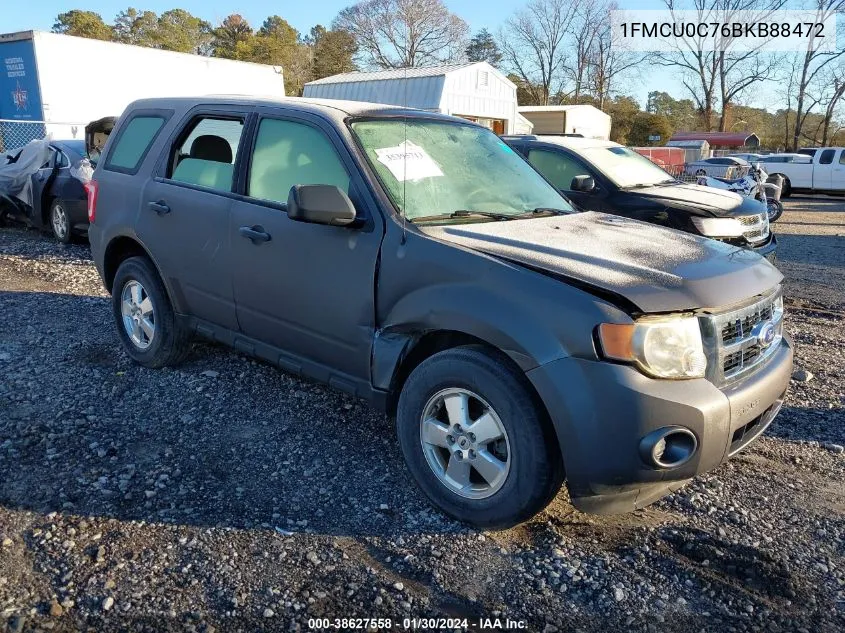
718	227
663	347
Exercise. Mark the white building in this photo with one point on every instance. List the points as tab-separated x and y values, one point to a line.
477	91
586	120
59	82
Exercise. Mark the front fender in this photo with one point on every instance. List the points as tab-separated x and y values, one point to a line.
472	310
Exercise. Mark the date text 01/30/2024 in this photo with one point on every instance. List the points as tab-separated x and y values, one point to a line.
420	624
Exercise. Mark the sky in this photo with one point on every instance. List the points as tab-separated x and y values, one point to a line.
490	14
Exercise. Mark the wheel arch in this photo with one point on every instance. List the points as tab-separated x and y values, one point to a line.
47	198
402	352
121	248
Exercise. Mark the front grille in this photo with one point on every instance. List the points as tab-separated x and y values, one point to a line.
733	339
755	227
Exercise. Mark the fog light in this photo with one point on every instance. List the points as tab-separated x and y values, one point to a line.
669	447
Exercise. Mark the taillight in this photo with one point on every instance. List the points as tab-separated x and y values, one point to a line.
92	189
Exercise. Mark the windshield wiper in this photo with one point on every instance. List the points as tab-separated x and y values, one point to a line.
545	211
465	213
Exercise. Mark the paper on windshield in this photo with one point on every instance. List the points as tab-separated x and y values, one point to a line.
408	161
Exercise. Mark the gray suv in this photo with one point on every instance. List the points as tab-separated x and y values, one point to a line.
416	261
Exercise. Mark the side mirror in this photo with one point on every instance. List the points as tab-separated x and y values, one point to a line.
584	184
320	204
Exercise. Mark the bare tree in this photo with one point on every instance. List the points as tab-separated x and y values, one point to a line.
404	33
590	18
813	62
609	61
835	80
738	72
711	64
533	44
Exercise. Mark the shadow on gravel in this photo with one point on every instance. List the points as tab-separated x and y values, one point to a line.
220	441
811	250
809	424
738	567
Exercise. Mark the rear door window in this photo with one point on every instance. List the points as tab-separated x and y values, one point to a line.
206	151
133	142
558	168
288	153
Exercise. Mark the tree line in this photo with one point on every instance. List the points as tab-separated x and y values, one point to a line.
305	57
555	51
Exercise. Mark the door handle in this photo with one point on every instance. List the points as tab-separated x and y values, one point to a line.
255	233
159	207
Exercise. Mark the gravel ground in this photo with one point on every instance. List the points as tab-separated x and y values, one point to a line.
225	495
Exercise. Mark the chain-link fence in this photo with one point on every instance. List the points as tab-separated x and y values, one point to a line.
15	134
675	161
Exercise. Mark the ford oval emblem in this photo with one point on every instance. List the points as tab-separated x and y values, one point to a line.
764	332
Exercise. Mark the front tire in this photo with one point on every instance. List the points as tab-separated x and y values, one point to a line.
60	222
775	209
149	329
476	440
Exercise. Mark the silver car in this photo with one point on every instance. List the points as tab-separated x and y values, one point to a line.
718	167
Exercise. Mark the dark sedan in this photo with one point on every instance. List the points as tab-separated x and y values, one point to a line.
604	176
59	201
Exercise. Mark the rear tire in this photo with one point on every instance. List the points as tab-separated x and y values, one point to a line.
60	222
149	329
526	465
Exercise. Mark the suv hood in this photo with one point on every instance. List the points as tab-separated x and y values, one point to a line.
697	198
654	268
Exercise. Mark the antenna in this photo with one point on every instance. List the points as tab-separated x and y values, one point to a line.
405	155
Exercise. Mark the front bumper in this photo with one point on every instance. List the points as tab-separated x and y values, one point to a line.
601	412
767	249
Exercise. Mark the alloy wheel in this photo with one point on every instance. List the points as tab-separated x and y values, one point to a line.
465	443
138	313
59	220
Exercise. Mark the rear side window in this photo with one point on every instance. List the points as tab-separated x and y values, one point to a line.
133	142
288	154
205	154
842	158
827	157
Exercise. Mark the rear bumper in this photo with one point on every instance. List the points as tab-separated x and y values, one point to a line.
77	211
602	412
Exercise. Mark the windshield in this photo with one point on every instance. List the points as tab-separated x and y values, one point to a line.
433	169
625	167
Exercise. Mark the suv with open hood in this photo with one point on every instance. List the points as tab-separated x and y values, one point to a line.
414	260
605	176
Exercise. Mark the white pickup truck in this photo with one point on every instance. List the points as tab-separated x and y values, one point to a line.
823	172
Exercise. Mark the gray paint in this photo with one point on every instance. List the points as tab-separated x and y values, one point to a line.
658	269
345	305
